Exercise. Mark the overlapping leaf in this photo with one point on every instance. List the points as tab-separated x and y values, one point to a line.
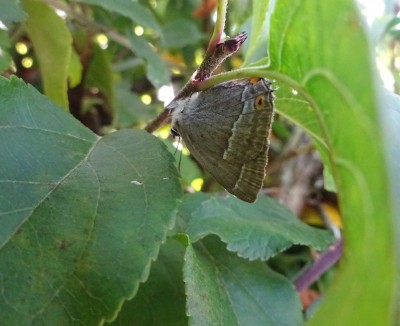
321	50
223	289
162	297
255	231
81	217
52	42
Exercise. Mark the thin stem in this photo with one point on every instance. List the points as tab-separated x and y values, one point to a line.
163	118
219	26
320	266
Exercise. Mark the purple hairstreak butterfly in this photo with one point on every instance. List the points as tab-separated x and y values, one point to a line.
226	129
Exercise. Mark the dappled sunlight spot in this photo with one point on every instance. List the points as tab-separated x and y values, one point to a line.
2	26
372	10
178	145
153	3
27	62
236	62
165	94
102	41
108	130
214	16
138	30
21	48
146	99
294	92
61	13
163	133
386	75
198	56
197	184
397	63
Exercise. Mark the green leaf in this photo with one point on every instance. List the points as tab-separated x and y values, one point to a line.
223	289
52	44
157	71
320	49
131	9
11	11
391	122
129	109
99	74
297	109
74	70
5	58
189	204
255	231
180	33
259	23
90	216
162	298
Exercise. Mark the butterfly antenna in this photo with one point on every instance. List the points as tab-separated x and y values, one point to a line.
180	156
176	148
175	134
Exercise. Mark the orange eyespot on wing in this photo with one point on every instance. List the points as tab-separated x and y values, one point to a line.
259	102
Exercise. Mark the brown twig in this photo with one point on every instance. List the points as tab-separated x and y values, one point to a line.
163	118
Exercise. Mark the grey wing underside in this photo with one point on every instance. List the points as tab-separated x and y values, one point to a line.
243	178
230	142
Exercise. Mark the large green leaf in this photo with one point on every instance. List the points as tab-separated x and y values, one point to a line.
161	300
320	49
255	231
223	289
81	217
52	44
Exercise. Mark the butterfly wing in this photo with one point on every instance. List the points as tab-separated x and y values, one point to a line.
226	128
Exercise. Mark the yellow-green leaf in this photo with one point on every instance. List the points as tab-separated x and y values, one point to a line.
321	49
52	44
